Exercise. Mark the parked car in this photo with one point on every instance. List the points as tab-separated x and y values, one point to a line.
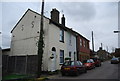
97	61
73	67
115	60
119	59
90	64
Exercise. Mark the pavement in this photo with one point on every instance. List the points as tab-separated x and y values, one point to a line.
48	77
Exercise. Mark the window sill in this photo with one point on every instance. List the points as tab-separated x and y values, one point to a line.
61	64
61	41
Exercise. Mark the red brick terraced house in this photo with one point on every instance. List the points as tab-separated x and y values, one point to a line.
83	49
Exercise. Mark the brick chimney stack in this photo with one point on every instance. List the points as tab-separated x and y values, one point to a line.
63	20
55	15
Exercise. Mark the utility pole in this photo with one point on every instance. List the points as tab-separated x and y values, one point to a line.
92	42
40	43
113	49
107	48
101	45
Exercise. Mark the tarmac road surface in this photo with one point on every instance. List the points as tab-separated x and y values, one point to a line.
107	72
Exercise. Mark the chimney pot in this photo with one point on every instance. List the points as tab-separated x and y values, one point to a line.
55	15
63	20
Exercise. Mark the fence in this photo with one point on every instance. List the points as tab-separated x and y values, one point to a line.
19	64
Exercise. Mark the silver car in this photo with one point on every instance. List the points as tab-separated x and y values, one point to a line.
115	60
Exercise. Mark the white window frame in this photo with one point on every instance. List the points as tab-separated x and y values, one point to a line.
80	42
61	35
62	56
84	44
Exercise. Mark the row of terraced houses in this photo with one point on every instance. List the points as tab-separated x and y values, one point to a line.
61	42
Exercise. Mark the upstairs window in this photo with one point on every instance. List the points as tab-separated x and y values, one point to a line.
84	43
61	35
87	46
80	42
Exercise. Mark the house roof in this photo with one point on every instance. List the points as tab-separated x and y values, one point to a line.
68	29
57	24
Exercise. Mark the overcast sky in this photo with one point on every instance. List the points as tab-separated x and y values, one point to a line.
83	17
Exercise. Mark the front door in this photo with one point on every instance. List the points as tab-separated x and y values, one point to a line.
53	64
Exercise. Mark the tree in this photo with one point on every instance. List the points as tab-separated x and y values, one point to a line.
40	43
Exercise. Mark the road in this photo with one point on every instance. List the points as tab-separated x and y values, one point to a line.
106	71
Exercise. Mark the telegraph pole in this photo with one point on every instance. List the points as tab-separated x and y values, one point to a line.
101	45
107	48
92	42
40	43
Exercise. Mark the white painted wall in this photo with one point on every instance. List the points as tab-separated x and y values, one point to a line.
71	47
54	36
25	42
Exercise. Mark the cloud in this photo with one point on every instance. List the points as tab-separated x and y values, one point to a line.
103	23
82	11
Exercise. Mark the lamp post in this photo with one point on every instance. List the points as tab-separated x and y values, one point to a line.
118	37
116	31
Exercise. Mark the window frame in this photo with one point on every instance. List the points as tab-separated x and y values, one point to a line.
70	54
61	51
61	39
84	43
80	42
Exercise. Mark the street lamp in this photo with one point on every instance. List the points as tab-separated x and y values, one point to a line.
116	31
118	37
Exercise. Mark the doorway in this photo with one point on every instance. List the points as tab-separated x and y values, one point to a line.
53	60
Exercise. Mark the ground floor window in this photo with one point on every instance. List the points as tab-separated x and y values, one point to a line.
61	56
70	54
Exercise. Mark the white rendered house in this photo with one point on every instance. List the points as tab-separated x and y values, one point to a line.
60	41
